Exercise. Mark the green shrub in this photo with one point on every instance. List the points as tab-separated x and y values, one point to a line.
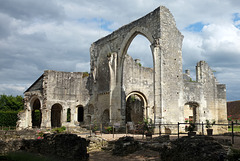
36	117
59	129
8	118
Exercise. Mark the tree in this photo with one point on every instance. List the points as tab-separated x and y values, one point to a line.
11	103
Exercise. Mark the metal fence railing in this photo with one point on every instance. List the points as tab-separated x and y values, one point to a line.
139	130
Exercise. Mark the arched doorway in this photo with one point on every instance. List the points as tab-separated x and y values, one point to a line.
80	114
191	112
105	117
56	115
36	113
136	107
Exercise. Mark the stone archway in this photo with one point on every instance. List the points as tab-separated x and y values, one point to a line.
191	112
157	70
160	29
136	107
56	115
36	113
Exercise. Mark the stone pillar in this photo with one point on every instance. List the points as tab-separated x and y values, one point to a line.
156	50
48	117
115	90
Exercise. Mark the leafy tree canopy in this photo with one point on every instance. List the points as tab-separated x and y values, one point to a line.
11	103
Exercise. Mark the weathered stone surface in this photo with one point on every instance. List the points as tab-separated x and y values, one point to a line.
17	135
96	143
197	148
125	145
62	146
166	94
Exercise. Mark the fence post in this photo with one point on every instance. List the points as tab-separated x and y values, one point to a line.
101	129
202	129
126	130
113	130
159	130
232	134
90	130
178	130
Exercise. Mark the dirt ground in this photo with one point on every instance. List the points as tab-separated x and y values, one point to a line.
142	155
137	156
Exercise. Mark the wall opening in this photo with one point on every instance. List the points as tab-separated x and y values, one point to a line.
136	107
80	114
68	115
191	112
36	114
140	50
137	75
56	115
105	117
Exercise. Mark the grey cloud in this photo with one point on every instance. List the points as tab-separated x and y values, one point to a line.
28	9
31	41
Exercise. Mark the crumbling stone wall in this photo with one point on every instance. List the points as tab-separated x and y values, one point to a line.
59	146
208	94
140	80
160	29
66	89
164	89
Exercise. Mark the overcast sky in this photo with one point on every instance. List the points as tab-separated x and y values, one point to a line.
57	34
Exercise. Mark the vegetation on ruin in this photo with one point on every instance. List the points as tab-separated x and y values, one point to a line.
85	74
191	80
59	129
109	129
209	124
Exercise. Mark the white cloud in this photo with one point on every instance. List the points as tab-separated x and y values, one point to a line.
83	67
57	35
13	89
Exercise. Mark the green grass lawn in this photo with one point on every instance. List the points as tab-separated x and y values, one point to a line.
235	129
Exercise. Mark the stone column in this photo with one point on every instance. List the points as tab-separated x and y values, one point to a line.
28	116
115	90
156	51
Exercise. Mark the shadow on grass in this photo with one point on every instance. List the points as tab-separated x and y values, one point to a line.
24	156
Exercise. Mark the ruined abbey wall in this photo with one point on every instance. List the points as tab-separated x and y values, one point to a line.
165	94
65	90
138	80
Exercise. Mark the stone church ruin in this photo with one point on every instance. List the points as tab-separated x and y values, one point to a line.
119	90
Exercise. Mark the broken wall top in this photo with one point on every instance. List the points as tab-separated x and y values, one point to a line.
151	26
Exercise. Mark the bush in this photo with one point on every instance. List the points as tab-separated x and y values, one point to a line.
59	129
36	118
8	118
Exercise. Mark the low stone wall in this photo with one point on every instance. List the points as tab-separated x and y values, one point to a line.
60	146
17	135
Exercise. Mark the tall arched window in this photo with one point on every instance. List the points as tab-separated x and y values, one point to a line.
36	114
68	115
80	113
